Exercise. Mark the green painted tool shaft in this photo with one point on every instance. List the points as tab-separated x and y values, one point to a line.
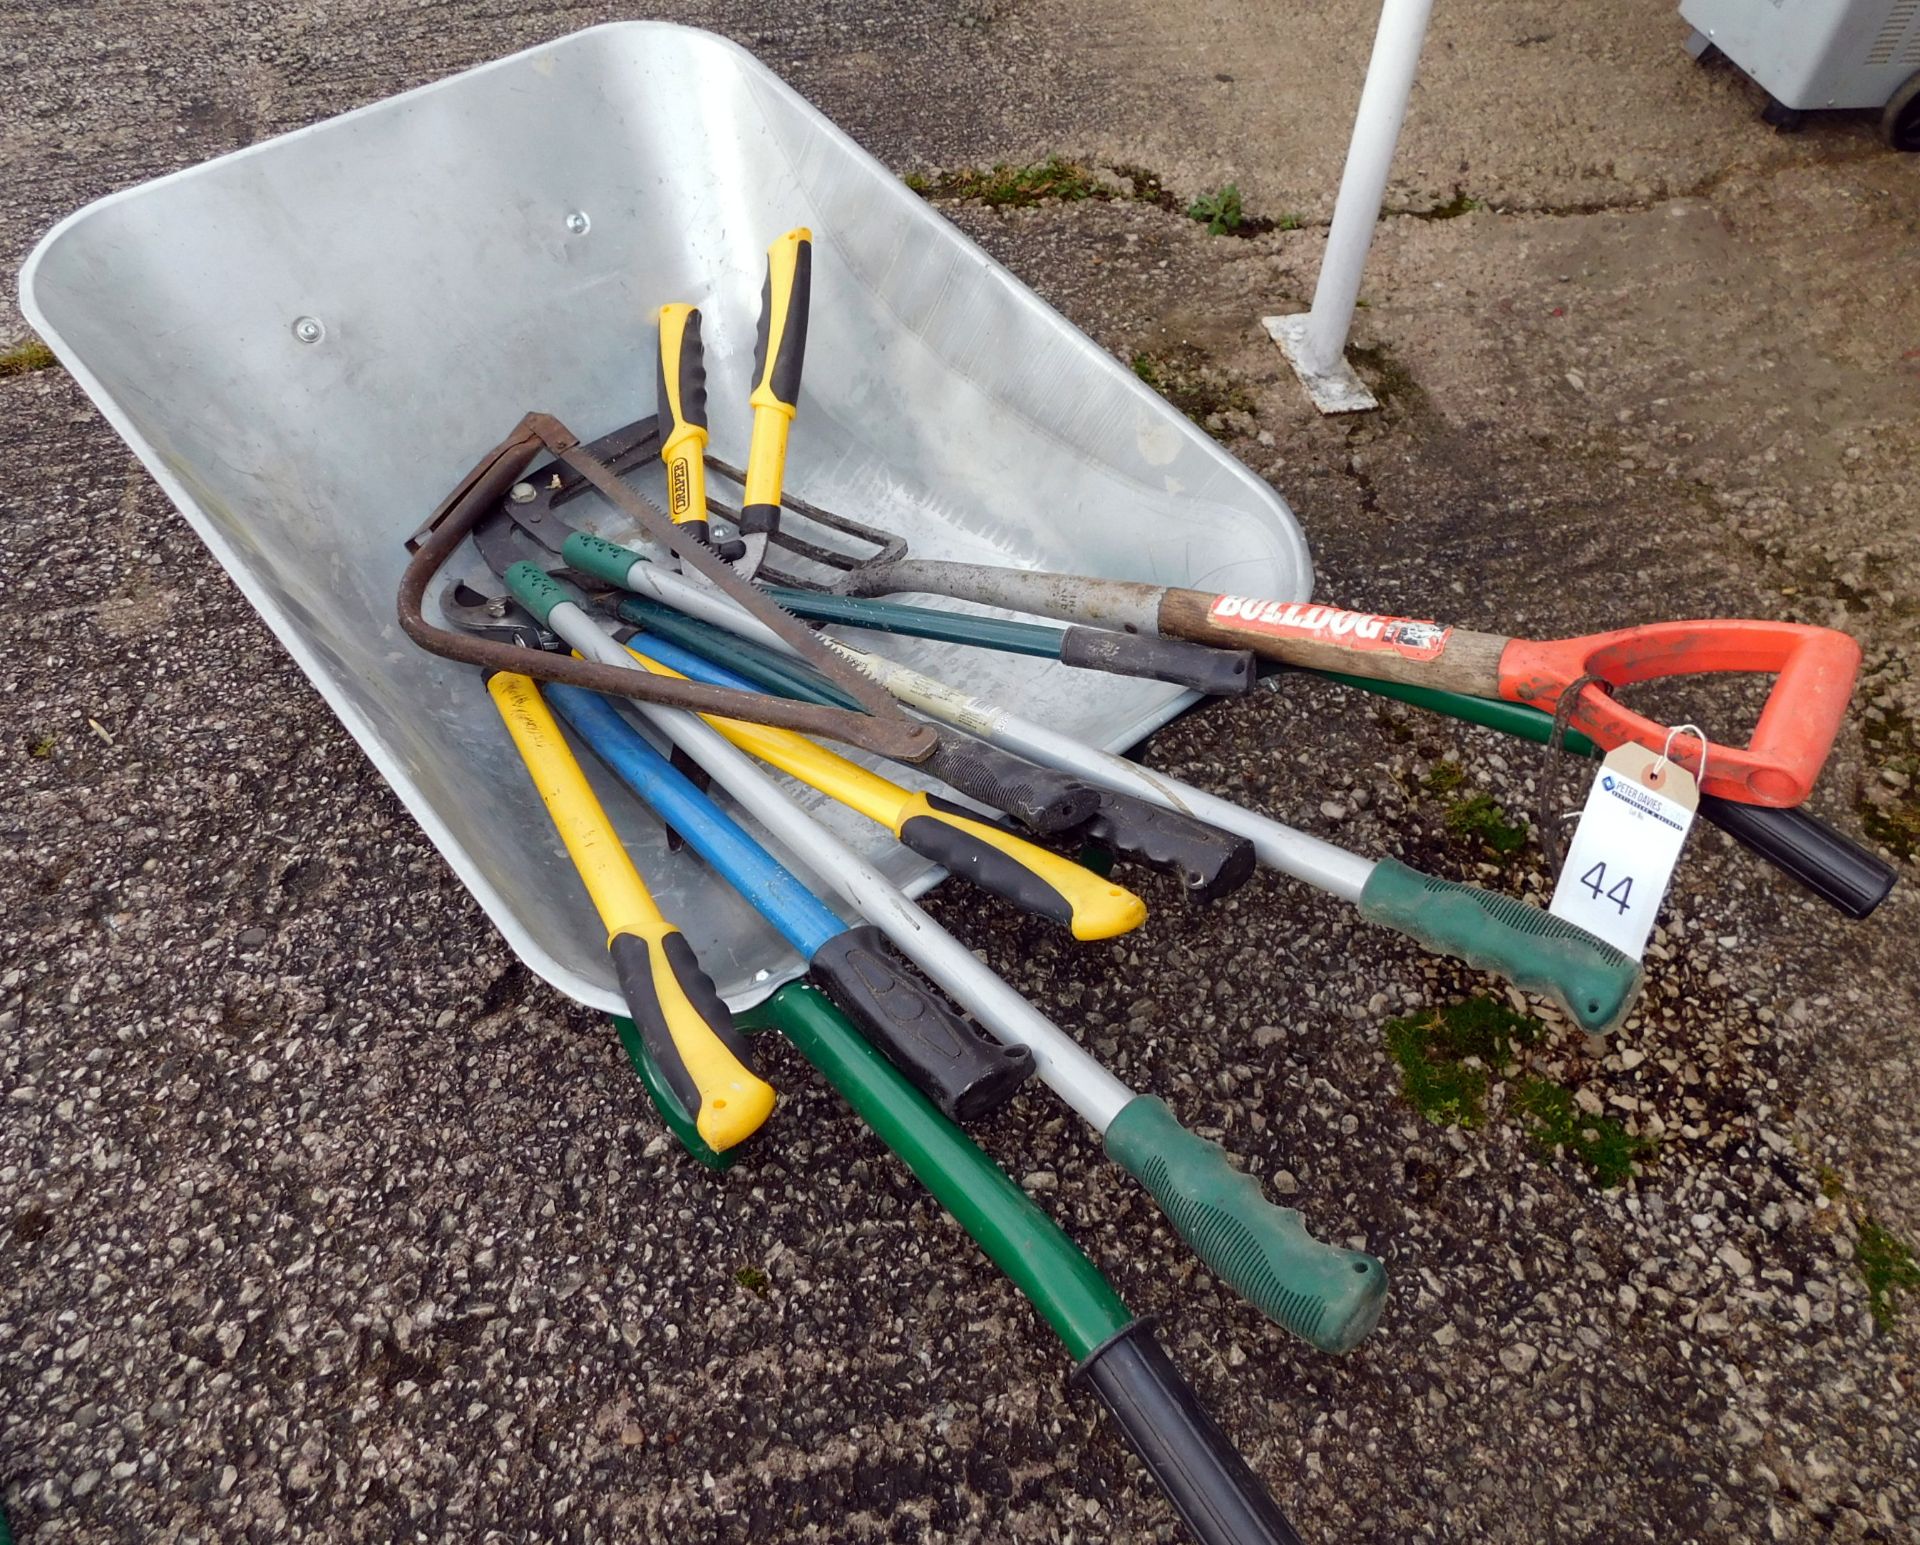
1058	1280
1515	719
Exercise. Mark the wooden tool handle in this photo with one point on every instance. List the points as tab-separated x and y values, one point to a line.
1404	649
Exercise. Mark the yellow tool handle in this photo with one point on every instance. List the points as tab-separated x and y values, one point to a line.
778	353
685	1023
682	396
960	842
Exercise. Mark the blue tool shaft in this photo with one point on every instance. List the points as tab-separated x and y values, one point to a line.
776	893
695	666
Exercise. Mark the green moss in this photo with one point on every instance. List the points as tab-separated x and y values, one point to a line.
1556	1122
1435	1052
754	1280
1478	819
1444	1092
1891	817
1832	1187
1888	1266
1184	376
1445	777
1448	1058
24	358
1219	212
41	746
1004	186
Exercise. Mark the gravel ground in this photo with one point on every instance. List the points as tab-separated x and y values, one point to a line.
328	1222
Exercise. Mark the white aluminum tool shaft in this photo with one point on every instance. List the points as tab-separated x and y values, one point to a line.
1070	1072
1376	130
1295	853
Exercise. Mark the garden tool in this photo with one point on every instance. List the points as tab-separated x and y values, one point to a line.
881	728
1594	982
1194	1462
1209	862
1834	867
1329	1296
965	1073
1814	668
686	1027
1038	797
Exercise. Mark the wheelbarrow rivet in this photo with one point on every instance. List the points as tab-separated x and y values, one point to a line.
578	223
308	329
523	493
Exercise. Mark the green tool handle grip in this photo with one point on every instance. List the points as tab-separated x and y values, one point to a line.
537	590
599	558
1589	978
1325	1295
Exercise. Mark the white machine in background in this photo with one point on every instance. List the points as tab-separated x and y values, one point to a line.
1811	55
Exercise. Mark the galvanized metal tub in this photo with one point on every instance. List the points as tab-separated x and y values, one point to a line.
308	341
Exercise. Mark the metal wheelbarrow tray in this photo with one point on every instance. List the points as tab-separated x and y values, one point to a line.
308	341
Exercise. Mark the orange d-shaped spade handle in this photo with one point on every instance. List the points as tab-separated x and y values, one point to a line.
1814	670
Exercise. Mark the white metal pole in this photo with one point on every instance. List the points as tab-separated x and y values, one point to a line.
1317	342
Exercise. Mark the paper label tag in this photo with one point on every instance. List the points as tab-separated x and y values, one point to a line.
1623	854
1408	637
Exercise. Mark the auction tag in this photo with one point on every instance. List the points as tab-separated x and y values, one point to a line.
1623	854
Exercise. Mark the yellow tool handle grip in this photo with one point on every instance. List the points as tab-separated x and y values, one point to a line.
681	392
687	1026
1029	876
960	842
779	351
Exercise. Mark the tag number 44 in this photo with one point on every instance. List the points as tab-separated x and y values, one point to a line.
1595	880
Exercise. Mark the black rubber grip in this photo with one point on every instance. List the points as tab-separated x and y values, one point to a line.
785	379
1831	865
1208	1481
1211	863
1041	799
693	375
755	518
1198	667
964	1071
633	965
963	854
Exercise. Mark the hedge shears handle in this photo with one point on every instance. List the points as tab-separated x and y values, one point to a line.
684	1022
778	353
682	395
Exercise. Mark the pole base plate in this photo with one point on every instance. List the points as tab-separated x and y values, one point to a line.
1334	390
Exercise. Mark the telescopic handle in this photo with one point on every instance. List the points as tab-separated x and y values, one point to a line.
1210	1484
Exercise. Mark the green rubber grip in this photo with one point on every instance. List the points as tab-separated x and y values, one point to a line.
537	590
1325	1295
1589	978
599	558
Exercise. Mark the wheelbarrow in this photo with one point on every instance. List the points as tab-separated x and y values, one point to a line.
307	341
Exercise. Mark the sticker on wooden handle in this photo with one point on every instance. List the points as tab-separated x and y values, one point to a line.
1409	637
